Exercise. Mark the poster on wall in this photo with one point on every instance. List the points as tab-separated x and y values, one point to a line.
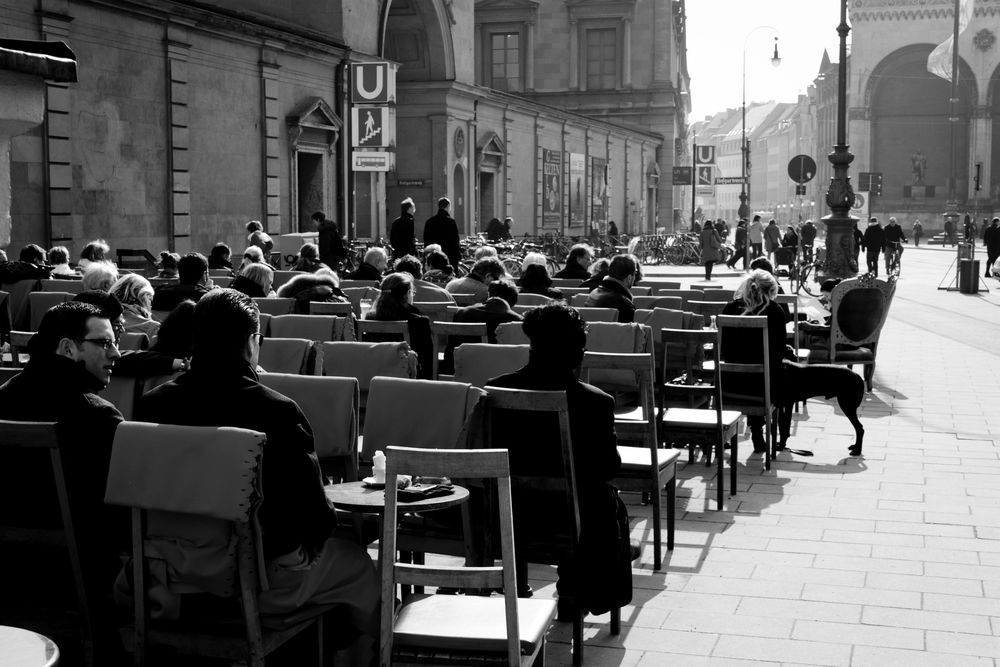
577	176
551	189
598	193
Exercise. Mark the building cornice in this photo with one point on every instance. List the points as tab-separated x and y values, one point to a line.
915	10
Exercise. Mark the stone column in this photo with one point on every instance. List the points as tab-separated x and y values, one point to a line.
22	107
529	57
626	52
271	127
574	55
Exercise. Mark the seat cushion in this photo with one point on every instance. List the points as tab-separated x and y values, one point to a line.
470	623
638	458
694	418
858	355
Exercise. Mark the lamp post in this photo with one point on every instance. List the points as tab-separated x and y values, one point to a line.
840	258
744	209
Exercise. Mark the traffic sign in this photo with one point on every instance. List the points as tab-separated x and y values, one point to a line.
705	174
730	180
373	83
800	189
372	127
705	155
802	168
371	161
682	175
870	181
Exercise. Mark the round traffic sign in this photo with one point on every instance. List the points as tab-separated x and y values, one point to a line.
802	168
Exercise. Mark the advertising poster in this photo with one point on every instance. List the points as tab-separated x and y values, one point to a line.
577	178
551	188
598	192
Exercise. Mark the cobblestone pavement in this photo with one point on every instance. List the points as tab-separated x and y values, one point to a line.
890	559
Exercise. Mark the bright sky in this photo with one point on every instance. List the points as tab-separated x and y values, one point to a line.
716	30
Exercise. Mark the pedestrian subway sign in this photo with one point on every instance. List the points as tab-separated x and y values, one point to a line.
372	127
373	83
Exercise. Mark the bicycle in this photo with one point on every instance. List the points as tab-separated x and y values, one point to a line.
893	259
803	273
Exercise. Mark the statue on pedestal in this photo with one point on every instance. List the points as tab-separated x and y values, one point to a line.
919	163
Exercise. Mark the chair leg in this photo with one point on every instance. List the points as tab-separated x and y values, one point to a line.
671	511
720	479
656	499
578	637
616	621
734	458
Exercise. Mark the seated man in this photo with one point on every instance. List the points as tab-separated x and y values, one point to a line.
423	291
602	579
306	565
477	283
192	283
577	263
372	267
614	290
72	357
496	310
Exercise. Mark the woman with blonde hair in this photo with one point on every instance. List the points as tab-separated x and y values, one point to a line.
100	276
309	259
396	303
135	293
254	280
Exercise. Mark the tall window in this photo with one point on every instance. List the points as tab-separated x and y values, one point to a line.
602	59
505	59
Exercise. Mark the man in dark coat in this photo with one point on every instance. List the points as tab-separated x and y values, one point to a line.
305	563
496	310
873	240
615	289
601	578
577	262
807	237
192	283
72	357
894	239
402	237
991	239
373	266
332	251
443	230
740	242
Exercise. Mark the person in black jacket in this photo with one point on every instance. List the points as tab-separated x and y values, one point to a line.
991	239
614	290
873	241
305	563
577	262
332	250
402	237
496	310
601	578
443	230
396	303
192	274
373	266
894	240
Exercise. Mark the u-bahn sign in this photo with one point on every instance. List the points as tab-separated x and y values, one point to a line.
373	83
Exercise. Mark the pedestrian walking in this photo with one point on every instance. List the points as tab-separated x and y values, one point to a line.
401	235
949	231
740	239
873	241
442	229
711	248
772	238
859	243
918	231
970	230
807	236
756	234
991	239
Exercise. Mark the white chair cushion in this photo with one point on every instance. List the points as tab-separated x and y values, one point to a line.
638	458
694	418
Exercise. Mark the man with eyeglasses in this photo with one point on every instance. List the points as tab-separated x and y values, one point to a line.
73	355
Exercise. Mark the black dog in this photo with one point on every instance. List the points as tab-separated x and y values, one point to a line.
805	381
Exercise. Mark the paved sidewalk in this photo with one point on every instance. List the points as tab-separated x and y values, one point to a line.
890	559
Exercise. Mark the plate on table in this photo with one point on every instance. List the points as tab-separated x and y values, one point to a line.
402	481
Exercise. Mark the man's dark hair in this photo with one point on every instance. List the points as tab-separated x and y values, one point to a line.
109	304
223	320
505	289
557	332
318	216
32	254
578	252
58	255
489	267
762	263
409	264
176	335
221	251
444	202
254	226
828	285
65	320
95	251
192	268
437	260
622	266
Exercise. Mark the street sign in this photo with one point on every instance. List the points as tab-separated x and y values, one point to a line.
870	181
682	175
705	175
373	83
730	180
860	208
706	191
371	127
371	161
705	155
801	169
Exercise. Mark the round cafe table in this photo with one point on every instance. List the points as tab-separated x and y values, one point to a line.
24	648
356	497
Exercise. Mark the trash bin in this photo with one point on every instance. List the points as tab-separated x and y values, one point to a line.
966	251
968	276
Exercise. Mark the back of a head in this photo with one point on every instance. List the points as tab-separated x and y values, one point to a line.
762	263
406	205
599	267
756	218
437	260
535	276
254	226
33	254
758	288
262	274
223	321
221	251
443	203
621	267
533	258
129	289
557	332
258	239
109	305
489	267
175	337
99	276
376	257
253	254
192	268
95	251
579	253
408	264
169	260
318	216
59	255
484	251
504	289
65	320
391	303
309	251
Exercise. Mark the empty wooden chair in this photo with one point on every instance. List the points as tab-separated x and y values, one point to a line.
511	333
123	392
359	294
476	363
458	629
685	294
381	329
435	311
443	333
707	309
40	302
17	299
286	355
133	341
274	305
657	284
312	327
719	294
19	347
650	302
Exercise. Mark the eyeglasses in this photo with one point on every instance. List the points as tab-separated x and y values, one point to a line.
105	343
260	338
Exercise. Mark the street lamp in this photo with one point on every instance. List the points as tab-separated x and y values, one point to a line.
744	209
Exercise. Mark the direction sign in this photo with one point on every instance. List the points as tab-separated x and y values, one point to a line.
801	169
705	175
371	127
371	161
373	83
682	176
870	181
730	180
705	155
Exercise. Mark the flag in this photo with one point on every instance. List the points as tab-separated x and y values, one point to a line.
939	62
